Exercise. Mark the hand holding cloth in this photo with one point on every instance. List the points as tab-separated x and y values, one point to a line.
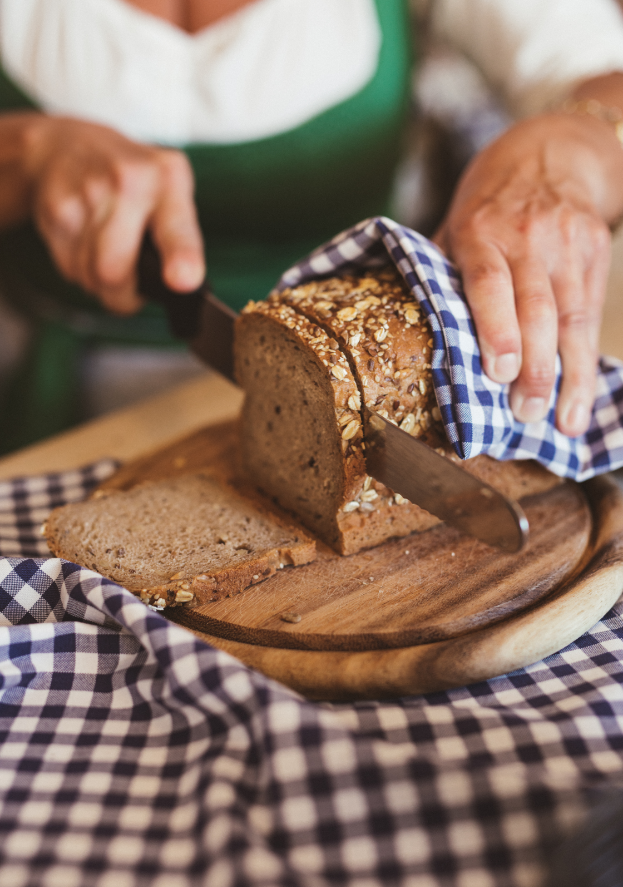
475	410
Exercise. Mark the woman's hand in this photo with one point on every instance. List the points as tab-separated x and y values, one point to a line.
94	193
528	229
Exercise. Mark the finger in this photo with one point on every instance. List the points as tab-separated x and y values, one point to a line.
60	214
59	203
107	271
580	294
99	199
175	226
489	290
69	216
62	248
116	243
70	220
123	299
68	254
538	322
577	342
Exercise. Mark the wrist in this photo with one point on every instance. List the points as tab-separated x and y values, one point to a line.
600	100
594	133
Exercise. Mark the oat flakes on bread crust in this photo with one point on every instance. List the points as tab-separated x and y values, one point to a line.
182	541
373	322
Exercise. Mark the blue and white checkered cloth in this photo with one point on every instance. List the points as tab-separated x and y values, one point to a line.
132	754
475	411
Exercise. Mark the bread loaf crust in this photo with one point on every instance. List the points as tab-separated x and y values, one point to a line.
386	340
384	335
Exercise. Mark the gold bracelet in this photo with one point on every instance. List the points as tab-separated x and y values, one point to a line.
606	113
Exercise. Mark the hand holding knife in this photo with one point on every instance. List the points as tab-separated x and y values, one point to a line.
393	457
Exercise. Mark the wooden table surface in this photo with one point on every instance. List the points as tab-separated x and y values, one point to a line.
152	423
612	327
128	433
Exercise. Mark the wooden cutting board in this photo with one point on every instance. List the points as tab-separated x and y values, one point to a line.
428	612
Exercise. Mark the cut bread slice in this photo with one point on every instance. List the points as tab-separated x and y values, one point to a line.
187	540
297	412
301	434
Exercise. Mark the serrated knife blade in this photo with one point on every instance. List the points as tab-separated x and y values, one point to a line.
393	457
440	486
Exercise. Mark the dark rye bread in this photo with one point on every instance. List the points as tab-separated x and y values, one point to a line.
186	540
301	430
306	358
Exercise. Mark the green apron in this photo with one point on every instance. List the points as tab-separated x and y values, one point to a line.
262	205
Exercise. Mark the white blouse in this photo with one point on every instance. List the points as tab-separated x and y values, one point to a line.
276	63
263	70
533	51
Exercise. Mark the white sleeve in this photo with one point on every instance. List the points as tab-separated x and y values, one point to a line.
533	51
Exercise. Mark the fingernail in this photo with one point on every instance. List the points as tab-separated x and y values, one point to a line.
575	419
529	409
71	214
505	368
187	274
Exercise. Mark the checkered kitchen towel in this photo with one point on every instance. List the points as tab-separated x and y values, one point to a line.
25	502
475	410
134	755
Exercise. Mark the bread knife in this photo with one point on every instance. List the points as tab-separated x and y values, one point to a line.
401	462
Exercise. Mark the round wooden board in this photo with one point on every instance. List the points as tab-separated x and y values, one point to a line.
525	638
429	612
427	587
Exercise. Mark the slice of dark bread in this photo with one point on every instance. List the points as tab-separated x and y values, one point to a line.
301	435
187	540
307	358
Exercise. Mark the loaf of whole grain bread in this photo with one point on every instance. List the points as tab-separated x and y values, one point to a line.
307	359
186	540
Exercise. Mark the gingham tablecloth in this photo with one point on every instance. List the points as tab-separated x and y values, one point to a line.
133	754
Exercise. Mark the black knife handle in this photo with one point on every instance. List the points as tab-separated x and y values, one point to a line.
183	310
